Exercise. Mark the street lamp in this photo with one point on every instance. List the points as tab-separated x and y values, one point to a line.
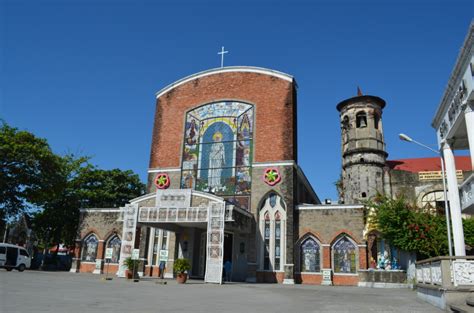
448	224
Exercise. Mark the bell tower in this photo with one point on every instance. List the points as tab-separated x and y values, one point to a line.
363	148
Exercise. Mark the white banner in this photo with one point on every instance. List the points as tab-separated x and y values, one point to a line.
215	243
130	214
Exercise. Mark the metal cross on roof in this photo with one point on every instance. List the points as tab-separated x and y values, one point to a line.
222	55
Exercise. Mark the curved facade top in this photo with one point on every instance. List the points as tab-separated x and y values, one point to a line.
227	69
266	97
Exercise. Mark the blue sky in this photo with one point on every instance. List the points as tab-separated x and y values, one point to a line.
83	74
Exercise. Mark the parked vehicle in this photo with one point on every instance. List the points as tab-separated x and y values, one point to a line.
12	256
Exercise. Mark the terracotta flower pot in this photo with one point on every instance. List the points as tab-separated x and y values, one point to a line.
129	274
181	278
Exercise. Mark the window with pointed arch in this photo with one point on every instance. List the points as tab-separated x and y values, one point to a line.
89	248
272	228
344	256
114	243
310	255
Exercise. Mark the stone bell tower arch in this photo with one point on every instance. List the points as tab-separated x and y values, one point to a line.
363	147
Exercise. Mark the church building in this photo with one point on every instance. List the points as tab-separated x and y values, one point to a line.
224	184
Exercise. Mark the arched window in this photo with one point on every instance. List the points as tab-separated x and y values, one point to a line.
272	228
361	120
344	256
310	256
114	243
434	200
89	248
376	120
345	123
218	149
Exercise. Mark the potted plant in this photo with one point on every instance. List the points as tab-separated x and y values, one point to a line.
181	267
132	266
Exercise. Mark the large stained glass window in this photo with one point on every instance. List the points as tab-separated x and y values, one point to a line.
344	256
217	151
89	248
310	256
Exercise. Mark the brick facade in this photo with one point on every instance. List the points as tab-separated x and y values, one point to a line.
275	108
104	224
326	224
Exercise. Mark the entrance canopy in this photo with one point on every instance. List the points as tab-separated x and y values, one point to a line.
175	209
172	209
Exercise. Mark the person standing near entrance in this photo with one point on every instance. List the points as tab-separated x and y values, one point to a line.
228	270
162	269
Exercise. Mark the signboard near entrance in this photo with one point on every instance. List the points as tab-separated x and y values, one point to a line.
163	255
327	277
135	254
108	253
173	198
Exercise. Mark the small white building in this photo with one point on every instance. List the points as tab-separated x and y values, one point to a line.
454	124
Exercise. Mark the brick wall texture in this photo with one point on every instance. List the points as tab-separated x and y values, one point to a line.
273	100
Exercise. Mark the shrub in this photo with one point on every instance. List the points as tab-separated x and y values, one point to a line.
181	266
408	227
131	264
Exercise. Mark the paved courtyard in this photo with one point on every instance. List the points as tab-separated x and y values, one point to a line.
37	292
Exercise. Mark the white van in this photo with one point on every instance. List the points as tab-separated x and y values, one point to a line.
12	256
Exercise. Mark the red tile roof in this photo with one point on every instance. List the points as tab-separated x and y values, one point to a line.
427	164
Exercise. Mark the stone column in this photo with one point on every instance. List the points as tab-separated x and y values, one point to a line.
172	254
253	257
99	257
76	260
469	117
454	201
362	257
326	269
289	277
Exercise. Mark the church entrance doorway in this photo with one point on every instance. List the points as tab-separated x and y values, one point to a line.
228	243
202	254
228	249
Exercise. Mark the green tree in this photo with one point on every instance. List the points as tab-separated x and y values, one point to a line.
109	188
26	165
52	187
57	220
468	227
78	184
